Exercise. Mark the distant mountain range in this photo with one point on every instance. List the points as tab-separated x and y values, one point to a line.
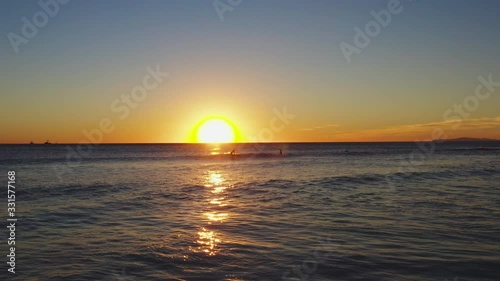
465	139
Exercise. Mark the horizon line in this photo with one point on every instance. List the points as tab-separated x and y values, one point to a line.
286	142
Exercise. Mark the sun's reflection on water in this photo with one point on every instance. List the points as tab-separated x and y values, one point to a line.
215	217
215	150
208	240
214	179
218	202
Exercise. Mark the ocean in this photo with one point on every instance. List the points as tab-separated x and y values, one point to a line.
322	211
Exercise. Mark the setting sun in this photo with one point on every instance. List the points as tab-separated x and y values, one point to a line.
215	130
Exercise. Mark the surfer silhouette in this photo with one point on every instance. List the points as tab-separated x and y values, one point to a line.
281	152
233	152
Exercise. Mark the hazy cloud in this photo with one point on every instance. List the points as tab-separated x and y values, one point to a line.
479	127
324	127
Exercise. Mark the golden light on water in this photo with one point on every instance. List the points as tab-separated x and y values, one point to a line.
215	150
219	189
218	201
216	179
208	240
216	217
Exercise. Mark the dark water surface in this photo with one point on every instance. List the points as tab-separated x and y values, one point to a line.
373	211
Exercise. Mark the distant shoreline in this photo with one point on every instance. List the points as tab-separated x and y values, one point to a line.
466	140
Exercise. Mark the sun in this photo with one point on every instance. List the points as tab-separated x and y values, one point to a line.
215	130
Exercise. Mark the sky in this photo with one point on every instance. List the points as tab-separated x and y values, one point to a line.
150	71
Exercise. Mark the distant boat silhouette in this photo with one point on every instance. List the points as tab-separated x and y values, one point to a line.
47	142
31	142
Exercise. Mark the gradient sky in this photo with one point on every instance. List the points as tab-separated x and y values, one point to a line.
264	55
